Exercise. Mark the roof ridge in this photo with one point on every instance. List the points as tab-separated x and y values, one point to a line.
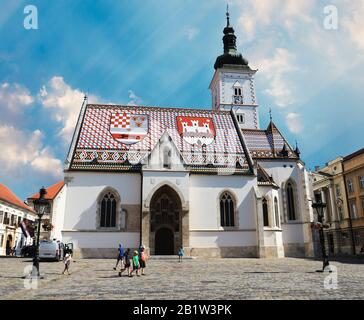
210	111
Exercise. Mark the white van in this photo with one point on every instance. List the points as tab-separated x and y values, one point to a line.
51	250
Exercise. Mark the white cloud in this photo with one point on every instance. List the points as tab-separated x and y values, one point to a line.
353	22
192	33
134	99
294	122
258	15
45	163
274	70
24	149
65	103
14	98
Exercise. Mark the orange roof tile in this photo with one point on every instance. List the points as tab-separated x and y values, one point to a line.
52	191
9	196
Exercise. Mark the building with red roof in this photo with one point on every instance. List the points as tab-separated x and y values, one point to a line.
52	220
12	212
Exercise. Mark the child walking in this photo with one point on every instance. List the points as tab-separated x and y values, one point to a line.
135	264
67	261
126	263
143	260
181	253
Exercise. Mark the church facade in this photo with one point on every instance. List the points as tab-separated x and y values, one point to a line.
212	181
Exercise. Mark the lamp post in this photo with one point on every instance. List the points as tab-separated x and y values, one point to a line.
39	207
320	206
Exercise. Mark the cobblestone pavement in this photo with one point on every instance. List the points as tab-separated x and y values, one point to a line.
192	279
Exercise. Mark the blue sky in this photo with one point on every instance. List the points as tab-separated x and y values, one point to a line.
155	52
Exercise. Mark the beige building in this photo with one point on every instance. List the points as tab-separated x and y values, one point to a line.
354	178
340	184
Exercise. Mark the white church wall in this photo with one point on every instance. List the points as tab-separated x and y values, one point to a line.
205	191
83	189
102	240
215	239
295	238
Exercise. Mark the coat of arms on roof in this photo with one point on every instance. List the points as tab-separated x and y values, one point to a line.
128	128
196	130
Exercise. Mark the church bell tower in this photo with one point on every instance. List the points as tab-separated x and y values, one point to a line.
232	87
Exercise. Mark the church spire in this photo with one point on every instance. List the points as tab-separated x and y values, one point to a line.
227	16
231	55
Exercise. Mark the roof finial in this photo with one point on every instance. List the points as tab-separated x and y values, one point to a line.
297	150
227	15
270	114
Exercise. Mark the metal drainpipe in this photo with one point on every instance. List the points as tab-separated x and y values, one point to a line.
141	208
349	212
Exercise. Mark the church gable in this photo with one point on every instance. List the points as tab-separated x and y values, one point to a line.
114	137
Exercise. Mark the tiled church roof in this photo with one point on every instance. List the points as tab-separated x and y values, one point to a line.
268	144
102	142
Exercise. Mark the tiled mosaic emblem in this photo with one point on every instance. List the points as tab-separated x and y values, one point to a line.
196	130
128	128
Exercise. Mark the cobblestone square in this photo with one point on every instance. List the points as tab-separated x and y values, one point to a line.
192	279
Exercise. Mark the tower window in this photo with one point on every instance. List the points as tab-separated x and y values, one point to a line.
241	118
238	91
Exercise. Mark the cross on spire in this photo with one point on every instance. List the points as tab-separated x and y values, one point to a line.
270	114
227	15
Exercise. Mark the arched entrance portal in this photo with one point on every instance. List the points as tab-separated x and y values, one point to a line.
165	222
164	242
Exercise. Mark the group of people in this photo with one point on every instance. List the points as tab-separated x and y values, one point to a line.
131	263
137	261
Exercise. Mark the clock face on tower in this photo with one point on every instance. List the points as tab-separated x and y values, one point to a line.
238	99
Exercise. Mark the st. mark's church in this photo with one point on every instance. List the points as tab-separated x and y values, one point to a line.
213	181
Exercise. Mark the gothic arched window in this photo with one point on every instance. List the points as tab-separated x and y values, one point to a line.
227	210
276	212
166	158
108	211
291	206
265	213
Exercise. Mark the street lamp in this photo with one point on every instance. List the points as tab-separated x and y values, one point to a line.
320	206
39	207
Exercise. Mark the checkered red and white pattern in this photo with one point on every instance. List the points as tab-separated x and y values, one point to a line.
120	120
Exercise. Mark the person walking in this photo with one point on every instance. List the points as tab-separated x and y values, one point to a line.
67	262
142	260
120	256
135	264
126	264
181	253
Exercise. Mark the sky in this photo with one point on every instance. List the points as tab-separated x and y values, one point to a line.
161	53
